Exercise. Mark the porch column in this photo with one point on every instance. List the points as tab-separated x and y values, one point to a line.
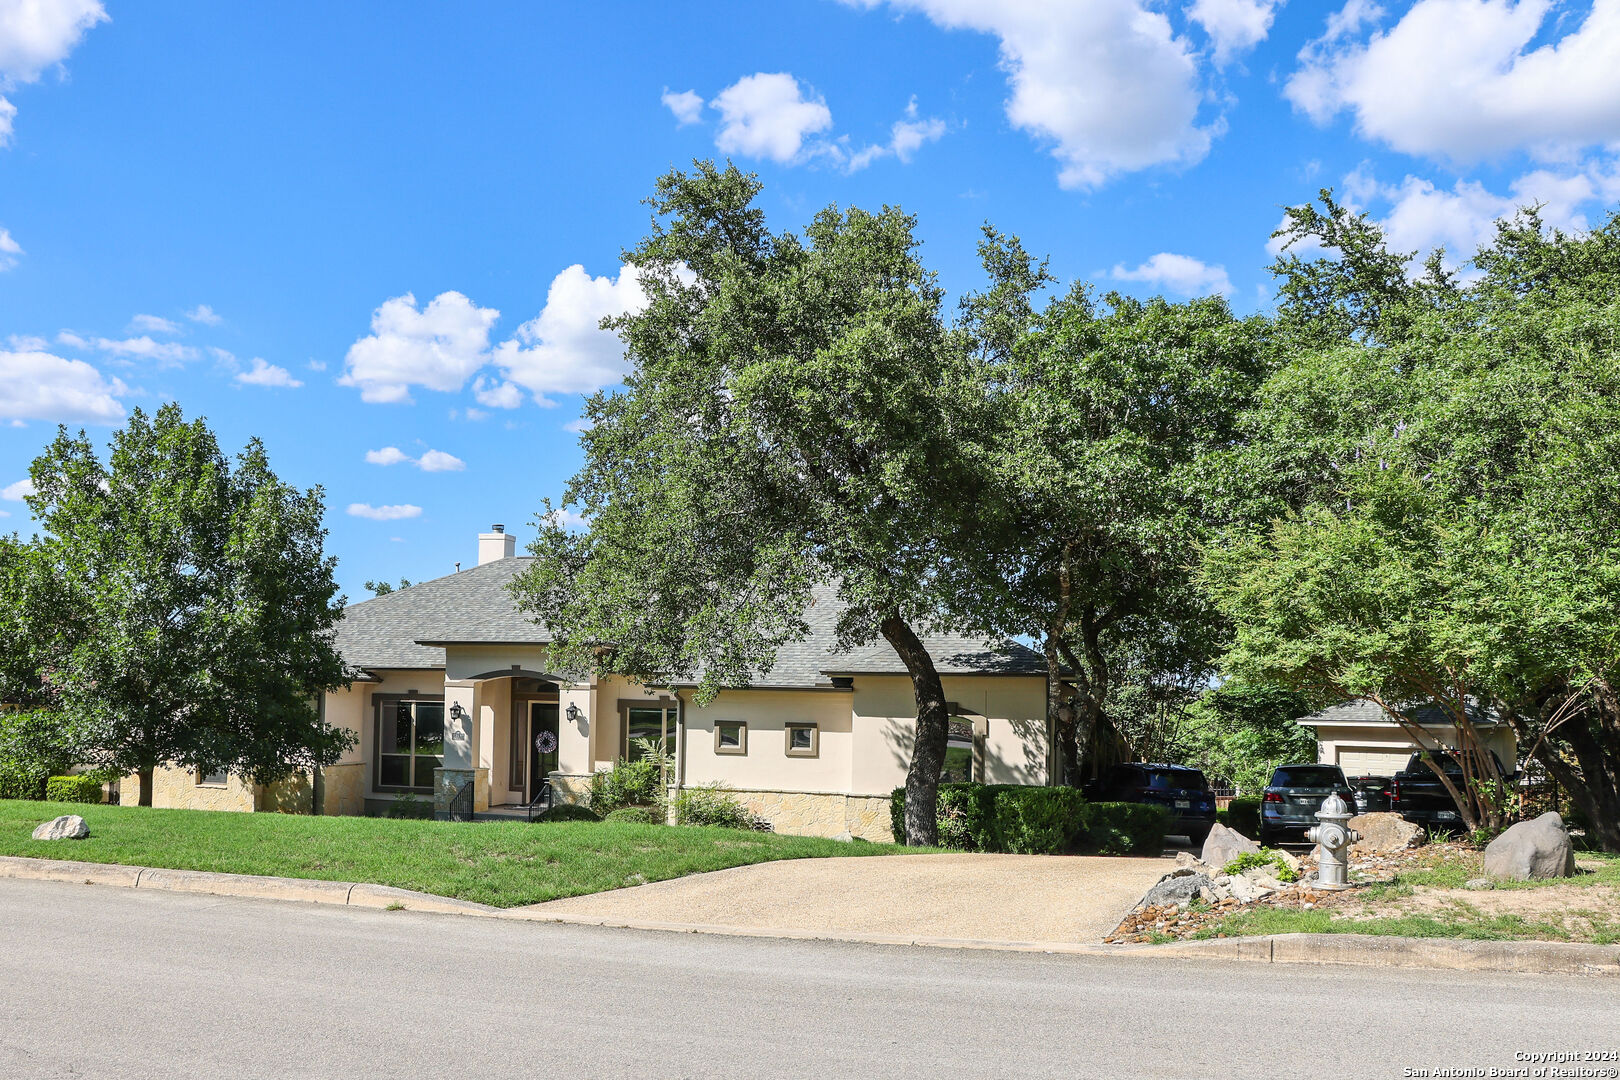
460	749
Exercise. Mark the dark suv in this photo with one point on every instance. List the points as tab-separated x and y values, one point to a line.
1289	804
1182	791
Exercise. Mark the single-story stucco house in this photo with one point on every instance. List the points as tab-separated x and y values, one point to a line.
1360	738
455	690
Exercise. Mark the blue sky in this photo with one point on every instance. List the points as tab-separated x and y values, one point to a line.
379	236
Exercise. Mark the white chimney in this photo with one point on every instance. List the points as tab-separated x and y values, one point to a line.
496	544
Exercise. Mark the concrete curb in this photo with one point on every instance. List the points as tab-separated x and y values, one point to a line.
1435	954
309	890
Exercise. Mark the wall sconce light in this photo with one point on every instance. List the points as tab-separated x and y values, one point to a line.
457	713
573	712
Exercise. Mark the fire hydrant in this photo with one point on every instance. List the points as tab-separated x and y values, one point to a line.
1333	839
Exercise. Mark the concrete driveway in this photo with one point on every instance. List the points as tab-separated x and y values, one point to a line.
984	897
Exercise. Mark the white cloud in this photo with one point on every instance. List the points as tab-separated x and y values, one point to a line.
266	374
204	314
72	340
579	425
18	491
35	36
141	348
563	350
36	385
1107	83
497	395
568	519
686	105
431	461
1178	273
1468	79
9	250
1234	26
153	324
437	347
397	512
768	116
906	137
439	461
1418	216
388	455
27	343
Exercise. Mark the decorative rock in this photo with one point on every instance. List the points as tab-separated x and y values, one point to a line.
1224	844
1245	891
1192	862
1287	859
1531	849
1175	889
1479	883
1383	832
847	838
66	827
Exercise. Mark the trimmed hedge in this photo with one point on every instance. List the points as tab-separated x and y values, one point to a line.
84	788
1116	828
1037	821
1242	815
569	812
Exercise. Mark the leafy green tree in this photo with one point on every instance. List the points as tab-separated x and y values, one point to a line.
383	588
1104	420
796	416
193	620
1444	521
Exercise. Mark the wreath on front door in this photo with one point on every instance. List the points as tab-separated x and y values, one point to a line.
545	742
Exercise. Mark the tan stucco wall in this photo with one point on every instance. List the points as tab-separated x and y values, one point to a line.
1333	739
767	766
803	813
886	717
177	789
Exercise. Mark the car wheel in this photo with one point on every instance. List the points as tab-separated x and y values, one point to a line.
1267	838
1196	838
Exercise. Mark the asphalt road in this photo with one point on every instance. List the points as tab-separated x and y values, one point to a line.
106	982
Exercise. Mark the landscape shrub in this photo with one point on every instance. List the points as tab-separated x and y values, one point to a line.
1265	857
635	815
1000	817
1037	820
1242	815
83	788
409	806
710	804
569	812
1124	828
629	783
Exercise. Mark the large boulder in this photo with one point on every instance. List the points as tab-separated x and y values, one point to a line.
1177	887
66	827
1223	845
1385	832
1531	849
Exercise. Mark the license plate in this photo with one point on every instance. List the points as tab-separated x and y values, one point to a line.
1183	804
1446	815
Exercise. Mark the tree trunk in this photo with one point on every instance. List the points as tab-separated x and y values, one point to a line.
146	786
1059	713
1593	779
933	731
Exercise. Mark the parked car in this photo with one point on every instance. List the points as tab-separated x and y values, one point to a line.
1289	803
1418	796
1181	790
1372	793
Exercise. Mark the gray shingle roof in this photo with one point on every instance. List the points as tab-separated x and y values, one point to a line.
475	606
1360	711
472	606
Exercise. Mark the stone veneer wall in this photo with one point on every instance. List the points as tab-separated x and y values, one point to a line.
807	813
344	789
570	788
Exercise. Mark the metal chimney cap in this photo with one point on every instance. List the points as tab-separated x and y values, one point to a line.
497	528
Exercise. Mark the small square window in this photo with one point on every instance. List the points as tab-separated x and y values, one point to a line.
730	737
803	740
213	779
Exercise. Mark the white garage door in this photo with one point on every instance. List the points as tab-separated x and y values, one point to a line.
1367	762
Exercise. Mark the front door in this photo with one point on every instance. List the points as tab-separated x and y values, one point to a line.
542	744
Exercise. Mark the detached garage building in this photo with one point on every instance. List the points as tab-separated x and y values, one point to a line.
1361	739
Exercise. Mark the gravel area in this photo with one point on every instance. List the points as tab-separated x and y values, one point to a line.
987	897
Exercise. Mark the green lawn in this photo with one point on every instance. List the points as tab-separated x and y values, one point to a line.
493	862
